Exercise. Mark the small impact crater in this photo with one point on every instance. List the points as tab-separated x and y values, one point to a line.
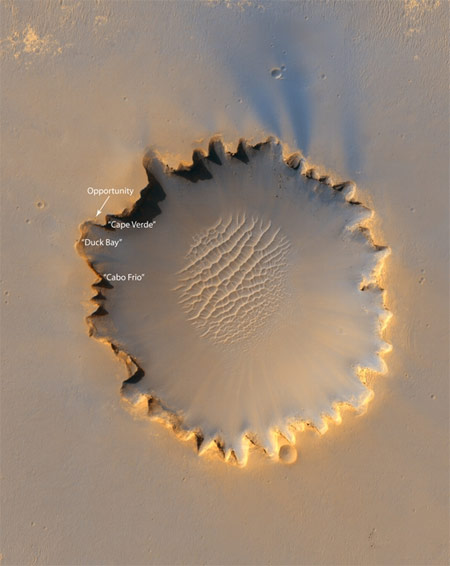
277	73
287	454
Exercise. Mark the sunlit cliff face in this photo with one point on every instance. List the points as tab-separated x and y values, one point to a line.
257	306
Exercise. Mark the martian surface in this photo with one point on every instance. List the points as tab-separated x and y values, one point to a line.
224	282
